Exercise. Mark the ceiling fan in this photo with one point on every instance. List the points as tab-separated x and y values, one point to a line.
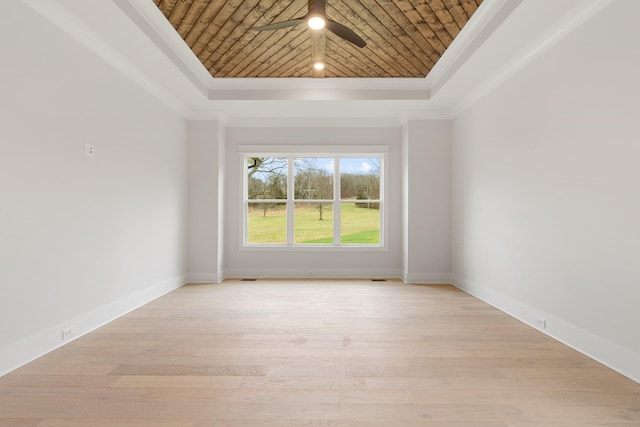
316	19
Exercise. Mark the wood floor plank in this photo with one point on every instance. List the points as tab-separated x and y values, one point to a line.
317	353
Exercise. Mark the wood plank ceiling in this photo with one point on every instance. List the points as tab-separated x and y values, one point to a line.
405	38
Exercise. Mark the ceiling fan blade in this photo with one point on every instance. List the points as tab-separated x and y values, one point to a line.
279	25
346	33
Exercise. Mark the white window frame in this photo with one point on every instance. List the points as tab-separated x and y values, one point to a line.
328	151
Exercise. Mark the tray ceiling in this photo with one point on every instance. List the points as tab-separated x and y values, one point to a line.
405	38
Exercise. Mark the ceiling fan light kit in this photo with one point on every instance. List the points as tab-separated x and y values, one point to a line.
316	19
316	22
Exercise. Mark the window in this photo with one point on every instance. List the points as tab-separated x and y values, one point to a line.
312	199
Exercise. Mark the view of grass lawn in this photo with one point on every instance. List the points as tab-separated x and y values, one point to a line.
359	225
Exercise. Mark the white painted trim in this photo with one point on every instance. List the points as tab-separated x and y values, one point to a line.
81	33
426	278
205	277
486	19
293	122
575	18
150	20
616	357
359	150
317	273
28	349
319	94
337	83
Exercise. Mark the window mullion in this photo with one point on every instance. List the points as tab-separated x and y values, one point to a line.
290	201
336	201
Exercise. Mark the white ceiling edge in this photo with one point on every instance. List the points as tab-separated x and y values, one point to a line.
158	29
321	122
567	24
486	19
374	102
399	120
239	84
320	94
150	20
59	16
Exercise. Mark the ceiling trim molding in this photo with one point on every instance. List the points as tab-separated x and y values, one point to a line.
59	16
486	19
157	28
318	94
276	122
342	83
571	21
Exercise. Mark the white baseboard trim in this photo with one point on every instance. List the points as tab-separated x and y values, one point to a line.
28	349
312	273
205	277
610	354
426	278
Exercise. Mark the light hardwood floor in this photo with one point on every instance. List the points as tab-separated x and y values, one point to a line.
317	353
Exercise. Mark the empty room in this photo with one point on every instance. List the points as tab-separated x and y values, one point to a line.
319	213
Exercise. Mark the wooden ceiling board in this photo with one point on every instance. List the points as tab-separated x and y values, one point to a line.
263	46
405	38
374	27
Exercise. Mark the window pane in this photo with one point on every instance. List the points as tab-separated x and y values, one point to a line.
267	178
360	223
267	223
360	178
313	178
313	223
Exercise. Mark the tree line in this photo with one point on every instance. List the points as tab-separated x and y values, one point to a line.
267	179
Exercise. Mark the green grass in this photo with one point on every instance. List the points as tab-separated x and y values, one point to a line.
359	225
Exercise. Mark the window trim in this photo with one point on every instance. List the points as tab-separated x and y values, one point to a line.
335	151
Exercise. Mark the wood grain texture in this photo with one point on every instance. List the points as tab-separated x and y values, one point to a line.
405	38
317	353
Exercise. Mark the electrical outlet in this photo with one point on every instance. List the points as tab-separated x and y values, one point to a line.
89	150
541	322
67	333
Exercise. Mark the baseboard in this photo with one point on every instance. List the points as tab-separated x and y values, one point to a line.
316	273
425	278
610	354
205	277
28	349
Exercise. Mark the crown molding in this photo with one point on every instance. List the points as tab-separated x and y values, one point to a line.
486	19
155	26
318	94
571	21
227	94
295	122
59	16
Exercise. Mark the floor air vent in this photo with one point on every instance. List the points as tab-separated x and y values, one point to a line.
378	280
248	280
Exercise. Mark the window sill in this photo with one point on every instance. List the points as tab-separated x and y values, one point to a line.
313	248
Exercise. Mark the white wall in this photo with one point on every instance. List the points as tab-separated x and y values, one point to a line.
81	239
265	263
426	172
546	177
205	199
